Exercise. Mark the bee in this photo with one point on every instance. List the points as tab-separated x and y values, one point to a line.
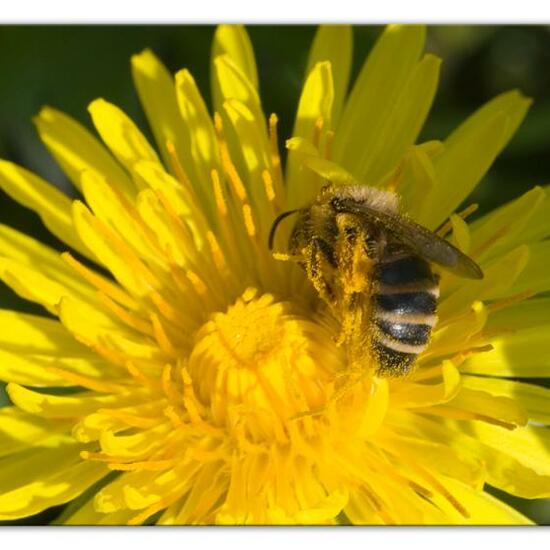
372	265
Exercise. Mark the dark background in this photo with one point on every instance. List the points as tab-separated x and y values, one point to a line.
69	66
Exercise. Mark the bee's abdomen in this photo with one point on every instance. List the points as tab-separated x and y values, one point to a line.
404	307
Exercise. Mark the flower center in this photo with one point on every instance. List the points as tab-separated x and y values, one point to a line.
257	366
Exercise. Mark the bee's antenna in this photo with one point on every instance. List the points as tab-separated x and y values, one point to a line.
277	221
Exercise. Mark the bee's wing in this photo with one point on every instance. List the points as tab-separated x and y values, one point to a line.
424	243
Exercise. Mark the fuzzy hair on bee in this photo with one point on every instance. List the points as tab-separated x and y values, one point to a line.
373	267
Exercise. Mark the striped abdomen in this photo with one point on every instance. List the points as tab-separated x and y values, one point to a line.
404	312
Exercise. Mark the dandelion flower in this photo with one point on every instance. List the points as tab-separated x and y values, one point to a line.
202	375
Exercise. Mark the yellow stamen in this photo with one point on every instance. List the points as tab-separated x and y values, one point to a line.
147	465
125	316
438	486
168	384
510	301
490	242
131	419
227	163
113	291
86	382
140	377
396	178
249	220
328	144
161	336
445	229
221	205
275	156
216	251
153	509
190	401
171	413
319	124
197	282
268	186
177	166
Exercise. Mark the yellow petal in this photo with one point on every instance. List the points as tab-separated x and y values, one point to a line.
155	177
315	107
416	177
120	134
497	232
455	335
179	198
28	252
433	455
39	335
423	431
538	226
137	446
118	213
513	103
526	314
461	234
76	150
535	277
147	412
112	251
499	280
308	155
334	43
230	82
154	215
533	399
155	87
201	155
90	326
523	353
53	207
19	430
86	514
34	346
516	461
152	487
255	154
469	153
409	395
373	96
233	41
482	508
460	168
32	285
402	124
42	370
483	406
36	480
208	487
66	406
316	102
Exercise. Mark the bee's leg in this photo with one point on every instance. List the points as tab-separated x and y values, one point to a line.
314	269
351	318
